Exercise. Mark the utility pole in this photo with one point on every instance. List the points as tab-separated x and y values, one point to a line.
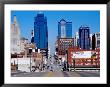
30	51
17	61
74	63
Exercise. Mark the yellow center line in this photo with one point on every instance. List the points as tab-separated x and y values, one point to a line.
49	74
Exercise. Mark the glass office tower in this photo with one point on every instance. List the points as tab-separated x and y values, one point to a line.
84	39
40	31
64	29
93	42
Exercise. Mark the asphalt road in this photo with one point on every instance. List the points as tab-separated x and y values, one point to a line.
59	74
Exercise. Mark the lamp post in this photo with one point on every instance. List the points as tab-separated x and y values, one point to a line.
18	53
17	62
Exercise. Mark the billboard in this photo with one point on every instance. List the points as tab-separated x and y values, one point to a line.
82	54
39	56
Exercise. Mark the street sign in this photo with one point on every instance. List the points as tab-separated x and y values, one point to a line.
81	54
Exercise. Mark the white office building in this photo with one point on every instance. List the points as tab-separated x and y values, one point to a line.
24	42
76	39
97	35
15	37
91	41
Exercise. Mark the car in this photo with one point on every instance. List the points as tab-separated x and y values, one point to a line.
51	70
47	67
64	69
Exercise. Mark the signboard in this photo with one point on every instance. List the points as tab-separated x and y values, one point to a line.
39	56
82	54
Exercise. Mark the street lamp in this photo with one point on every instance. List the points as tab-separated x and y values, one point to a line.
17	61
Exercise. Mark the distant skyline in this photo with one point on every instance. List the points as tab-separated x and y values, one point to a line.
78	18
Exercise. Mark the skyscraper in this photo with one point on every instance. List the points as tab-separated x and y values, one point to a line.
32	36
84	39
90	40
40	31
15	37
93	42
76	40
64	29
97	40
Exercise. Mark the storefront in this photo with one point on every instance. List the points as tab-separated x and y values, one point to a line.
83	58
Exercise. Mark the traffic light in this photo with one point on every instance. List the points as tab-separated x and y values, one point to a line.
30	51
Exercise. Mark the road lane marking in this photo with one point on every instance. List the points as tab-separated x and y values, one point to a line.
49	74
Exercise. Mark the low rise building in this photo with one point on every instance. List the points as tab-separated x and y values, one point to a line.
83	58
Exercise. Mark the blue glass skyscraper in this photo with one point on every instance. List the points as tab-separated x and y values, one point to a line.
41	31
64	29
84	39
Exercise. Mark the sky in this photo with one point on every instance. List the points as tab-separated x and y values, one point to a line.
78	18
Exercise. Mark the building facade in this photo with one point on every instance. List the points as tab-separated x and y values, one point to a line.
83	58
64	44
93	42
64	29
24	43
76	39
41	31
84	39
15	37
56	47
96	41
32	36
97	35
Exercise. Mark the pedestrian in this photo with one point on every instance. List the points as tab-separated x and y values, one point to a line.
51	69
39	66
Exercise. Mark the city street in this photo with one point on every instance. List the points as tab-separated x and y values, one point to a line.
55	70
63	54
59	74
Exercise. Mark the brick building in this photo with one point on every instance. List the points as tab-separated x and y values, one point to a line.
91	58
64	44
